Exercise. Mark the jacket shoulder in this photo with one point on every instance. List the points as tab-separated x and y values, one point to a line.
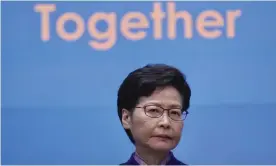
131	161
175	161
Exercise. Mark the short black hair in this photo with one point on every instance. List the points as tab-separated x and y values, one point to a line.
144	81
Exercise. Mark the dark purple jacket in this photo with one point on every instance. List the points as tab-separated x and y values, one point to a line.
172	161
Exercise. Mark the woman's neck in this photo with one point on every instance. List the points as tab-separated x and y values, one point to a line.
151	157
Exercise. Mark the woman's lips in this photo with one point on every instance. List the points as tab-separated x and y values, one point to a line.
162	136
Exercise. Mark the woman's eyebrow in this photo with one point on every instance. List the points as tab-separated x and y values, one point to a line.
175	106
162	105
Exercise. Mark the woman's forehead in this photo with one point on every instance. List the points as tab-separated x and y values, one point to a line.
164	97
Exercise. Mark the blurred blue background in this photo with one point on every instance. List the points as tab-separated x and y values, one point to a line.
59	98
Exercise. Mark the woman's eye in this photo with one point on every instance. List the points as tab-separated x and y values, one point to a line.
175	113
153	110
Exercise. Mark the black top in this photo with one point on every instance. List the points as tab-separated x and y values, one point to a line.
172	161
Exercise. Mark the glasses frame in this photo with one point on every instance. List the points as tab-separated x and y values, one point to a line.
182	112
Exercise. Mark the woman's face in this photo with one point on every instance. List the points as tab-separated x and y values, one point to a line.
159	134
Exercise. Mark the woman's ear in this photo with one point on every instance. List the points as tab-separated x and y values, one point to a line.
126	118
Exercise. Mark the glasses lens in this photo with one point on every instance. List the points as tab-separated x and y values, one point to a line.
153	111
176	114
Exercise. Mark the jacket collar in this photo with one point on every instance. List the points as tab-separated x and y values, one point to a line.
140	161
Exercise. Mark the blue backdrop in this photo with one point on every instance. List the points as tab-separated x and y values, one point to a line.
59	97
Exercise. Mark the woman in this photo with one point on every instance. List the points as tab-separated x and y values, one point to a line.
152	106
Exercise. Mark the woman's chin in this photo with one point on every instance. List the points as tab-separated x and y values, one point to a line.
162	146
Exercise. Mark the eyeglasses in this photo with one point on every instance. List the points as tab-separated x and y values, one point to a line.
155	111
